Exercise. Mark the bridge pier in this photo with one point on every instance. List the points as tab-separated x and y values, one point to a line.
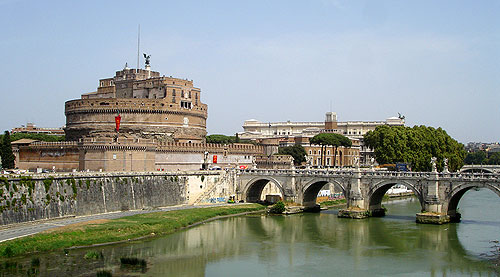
432	218
355	201
433	208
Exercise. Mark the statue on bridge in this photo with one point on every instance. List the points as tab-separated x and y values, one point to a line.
308	162
445	167
433	163
355	162
372	163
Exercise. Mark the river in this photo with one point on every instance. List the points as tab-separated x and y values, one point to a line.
310	245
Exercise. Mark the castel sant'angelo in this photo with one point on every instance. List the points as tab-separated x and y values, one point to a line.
150	106
162	126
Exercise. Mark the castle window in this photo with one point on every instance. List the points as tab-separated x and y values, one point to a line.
186	105
189	94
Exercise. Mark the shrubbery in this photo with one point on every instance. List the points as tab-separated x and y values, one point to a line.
278	208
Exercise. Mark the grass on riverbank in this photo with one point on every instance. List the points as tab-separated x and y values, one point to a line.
131	227
331	203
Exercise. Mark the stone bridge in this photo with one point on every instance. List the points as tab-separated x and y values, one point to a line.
480	168
438	192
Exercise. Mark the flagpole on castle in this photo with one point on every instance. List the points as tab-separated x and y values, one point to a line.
138	44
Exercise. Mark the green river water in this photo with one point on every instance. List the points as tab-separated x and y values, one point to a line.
308	245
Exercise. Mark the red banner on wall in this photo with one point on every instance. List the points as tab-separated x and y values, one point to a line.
118	118
214	160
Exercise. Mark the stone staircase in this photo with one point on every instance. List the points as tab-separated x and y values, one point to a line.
211	188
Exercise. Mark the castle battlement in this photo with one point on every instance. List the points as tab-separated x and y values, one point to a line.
236	148
56	144
115	105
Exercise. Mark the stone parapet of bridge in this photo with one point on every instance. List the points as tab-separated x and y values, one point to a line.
471	168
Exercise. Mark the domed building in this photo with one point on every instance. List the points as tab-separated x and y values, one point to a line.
150	106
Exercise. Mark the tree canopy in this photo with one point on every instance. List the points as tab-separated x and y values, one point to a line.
330	139
8	158
41	137
297	152
481	157
478	157
416	146
222	139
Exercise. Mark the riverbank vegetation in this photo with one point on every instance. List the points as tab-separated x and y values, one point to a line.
333	203
116	230
278	208
415	146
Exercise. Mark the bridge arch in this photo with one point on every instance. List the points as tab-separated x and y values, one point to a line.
253	189
458	192
376	194
311	189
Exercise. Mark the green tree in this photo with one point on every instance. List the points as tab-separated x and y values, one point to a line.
416	146
8	158
494	159
297	152
333	140
221	139
41	137
478	157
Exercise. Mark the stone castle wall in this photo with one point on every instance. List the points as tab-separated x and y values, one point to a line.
147	118
62	156
131	155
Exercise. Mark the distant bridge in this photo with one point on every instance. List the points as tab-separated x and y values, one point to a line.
480	168
437	192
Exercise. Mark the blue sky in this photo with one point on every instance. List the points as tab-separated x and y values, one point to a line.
436	62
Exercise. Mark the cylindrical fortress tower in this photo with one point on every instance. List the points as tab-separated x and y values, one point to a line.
150	106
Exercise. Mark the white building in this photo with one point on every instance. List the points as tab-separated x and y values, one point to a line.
256	130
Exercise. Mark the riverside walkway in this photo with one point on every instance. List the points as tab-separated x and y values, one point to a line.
13	231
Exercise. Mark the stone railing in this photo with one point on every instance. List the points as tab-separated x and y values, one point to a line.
92	174
373	174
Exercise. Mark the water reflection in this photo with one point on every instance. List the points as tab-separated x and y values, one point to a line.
314	244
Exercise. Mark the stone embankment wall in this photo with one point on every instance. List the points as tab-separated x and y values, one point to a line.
45	196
